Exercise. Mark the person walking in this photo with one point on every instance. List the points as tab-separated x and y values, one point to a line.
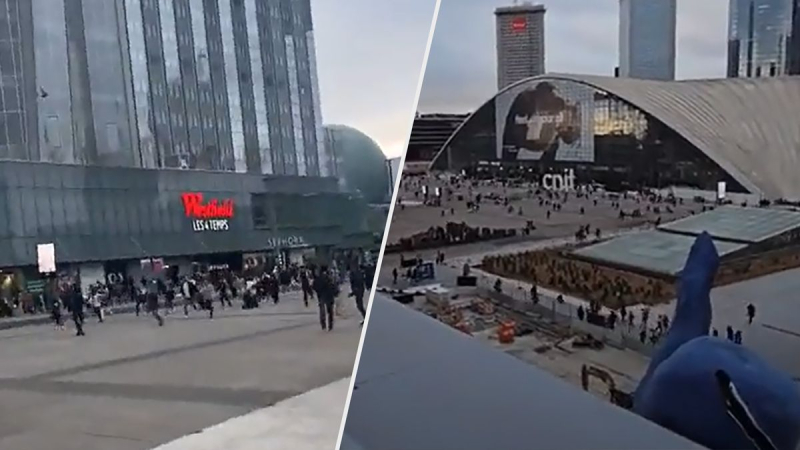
326	294
189	292
141	298
305	284
76	306
274	288
207	298
169	297
97	304
357	288
751	313
56	314
131	287
152	301
222	293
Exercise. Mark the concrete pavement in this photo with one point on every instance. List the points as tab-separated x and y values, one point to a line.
132	385
309	421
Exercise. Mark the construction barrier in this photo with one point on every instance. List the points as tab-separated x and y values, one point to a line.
506	332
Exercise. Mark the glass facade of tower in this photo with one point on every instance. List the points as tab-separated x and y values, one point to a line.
194	84
764	38
647	39
15	73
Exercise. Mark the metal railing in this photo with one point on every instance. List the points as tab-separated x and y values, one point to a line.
565	314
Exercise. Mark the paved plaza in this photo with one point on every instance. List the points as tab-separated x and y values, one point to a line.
776	331
413	217
130	384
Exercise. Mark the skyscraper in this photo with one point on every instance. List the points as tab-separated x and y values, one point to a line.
763	38
206	84
647	39
520	43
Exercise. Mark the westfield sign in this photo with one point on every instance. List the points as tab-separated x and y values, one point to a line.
211	215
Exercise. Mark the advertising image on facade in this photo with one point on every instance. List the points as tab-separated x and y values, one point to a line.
550	121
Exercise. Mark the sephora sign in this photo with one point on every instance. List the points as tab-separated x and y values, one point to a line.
207	215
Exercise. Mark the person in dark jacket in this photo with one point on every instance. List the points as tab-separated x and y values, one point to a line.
274	288
169	297
326	293
152	301
56	314
357	288
306	285
76	306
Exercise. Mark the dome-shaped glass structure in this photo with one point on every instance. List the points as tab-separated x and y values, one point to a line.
360	162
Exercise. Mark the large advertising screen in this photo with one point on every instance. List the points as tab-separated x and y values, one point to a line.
549	121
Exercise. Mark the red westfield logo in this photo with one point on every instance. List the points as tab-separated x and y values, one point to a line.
194	207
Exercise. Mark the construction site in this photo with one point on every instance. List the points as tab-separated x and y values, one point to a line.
643	267
561	333
537	334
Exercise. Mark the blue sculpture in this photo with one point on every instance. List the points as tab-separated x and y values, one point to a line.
710	390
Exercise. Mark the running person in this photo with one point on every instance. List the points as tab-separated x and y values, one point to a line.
152	302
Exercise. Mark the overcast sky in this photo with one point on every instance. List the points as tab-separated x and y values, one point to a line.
580	37
369	56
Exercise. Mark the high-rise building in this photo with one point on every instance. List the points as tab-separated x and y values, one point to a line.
207	84
429	134
763	38
520	43
647	39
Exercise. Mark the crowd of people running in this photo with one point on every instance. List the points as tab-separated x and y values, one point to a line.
158	296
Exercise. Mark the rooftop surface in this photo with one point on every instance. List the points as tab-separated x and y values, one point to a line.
748	225
450	407
650	250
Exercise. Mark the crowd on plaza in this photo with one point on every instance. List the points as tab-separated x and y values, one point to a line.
201	291
463	193
622	317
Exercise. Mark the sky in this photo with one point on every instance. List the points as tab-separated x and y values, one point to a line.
369	57
580	37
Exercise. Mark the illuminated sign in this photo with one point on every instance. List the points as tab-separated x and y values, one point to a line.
46	257
518	23
211	215
559	182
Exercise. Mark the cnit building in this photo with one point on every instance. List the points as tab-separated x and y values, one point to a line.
685	137
187	130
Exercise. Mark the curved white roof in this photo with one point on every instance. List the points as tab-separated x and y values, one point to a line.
750	127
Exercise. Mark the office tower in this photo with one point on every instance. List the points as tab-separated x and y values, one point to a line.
520	43
763	38
429	134
647	39
206	84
